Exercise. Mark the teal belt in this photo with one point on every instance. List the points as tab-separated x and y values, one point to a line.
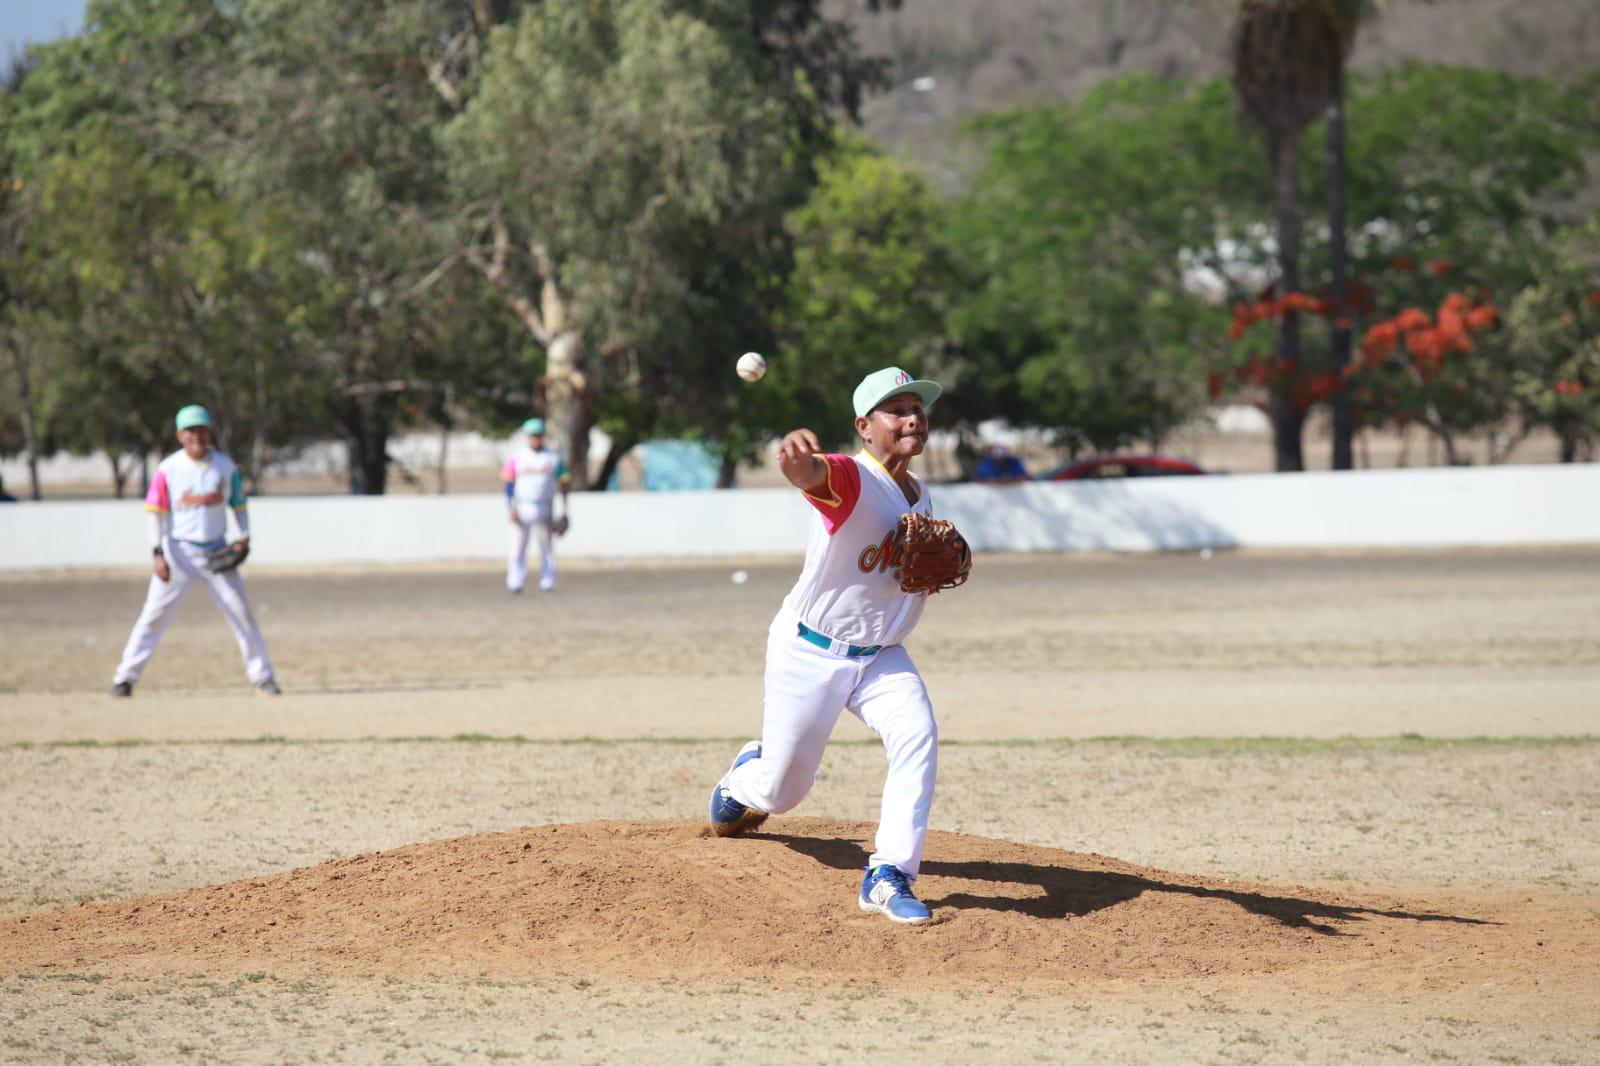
853	650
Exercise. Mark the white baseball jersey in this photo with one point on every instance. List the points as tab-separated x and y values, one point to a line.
532	477
847	589
197	494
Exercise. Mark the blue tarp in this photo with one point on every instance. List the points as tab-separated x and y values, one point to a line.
676	466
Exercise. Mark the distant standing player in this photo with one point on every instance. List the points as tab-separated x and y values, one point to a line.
836	643
188	501
532	475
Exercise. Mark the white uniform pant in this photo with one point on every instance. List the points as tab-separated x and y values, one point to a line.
517	566
187	564
806	689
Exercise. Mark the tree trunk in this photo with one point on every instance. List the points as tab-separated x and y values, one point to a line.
444	442
620	447
258	431
367	433
119	474
565	387
30	425
1344	419
1445	439
728	472
1288	421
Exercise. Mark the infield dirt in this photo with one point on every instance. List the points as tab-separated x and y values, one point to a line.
1349	812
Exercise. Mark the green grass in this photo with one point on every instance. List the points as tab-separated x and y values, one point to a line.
1178	746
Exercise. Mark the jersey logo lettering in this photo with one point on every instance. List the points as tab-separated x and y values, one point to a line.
882	556
208	499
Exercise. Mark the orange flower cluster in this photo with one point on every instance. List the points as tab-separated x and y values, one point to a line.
1428	340
1570	387
1592	298
1357	299
1319	388
1303	390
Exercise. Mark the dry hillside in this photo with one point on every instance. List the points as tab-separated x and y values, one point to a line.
983	55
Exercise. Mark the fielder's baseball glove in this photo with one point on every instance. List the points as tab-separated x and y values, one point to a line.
560	526
934	556
227	557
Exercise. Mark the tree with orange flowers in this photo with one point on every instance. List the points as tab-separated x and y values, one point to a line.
1434	369
1261	373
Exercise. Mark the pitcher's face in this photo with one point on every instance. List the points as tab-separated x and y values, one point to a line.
897	427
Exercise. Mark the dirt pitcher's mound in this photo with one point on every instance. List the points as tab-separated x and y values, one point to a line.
653	899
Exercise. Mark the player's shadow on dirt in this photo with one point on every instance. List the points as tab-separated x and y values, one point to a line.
1073	893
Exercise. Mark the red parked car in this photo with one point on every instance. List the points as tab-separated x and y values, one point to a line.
1116	466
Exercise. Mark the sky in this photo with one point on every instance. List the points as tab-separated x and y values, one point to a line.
25	22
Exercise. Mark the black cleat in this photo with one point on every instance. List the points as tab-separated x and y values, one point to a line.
122	689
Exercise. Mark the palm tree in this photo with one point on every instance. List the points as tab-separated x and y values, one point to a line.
1288	63
1347	13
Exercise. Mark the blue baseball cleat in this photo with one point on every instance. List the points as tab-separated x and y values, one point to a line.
885	890
729	817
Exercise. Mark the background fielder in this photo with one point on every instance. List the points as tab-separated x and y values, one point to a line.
835	644
532	475
188	502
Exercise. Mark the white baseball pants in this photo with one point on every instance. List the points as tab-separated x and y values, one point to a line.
187	564
806	689
517	566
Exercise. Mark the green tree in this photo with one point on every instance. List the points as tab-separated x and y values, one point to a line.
633	161
20	429
1098	243
341	160
144	280
1474	167
1554	330
872	286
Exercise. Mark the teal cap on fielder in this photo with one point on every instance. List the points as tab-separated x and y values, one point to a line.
193	415
879	385
533	427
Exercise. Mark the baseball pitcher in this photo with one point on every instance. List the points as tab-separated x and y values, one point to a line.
873	557
188	503
533	474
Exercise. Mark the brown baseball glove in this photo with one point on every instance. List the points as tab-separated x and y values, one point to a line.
560	526
227	557
933	555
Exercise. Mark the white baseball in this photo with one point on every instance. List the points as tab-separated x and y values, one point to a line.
751	366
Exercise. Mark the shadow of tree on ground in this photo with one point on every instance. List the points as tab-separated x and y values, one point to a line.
1067	892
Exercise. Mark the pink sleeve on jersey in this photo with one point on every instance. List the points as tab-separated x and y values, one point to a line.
509	471
838	497
158	498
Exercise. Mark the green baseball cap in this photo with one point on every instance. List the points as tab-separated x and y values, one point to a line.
533	427
879	385
193	415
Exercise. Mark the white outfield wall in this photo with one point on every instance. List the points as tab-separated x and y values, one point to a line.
1483	506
